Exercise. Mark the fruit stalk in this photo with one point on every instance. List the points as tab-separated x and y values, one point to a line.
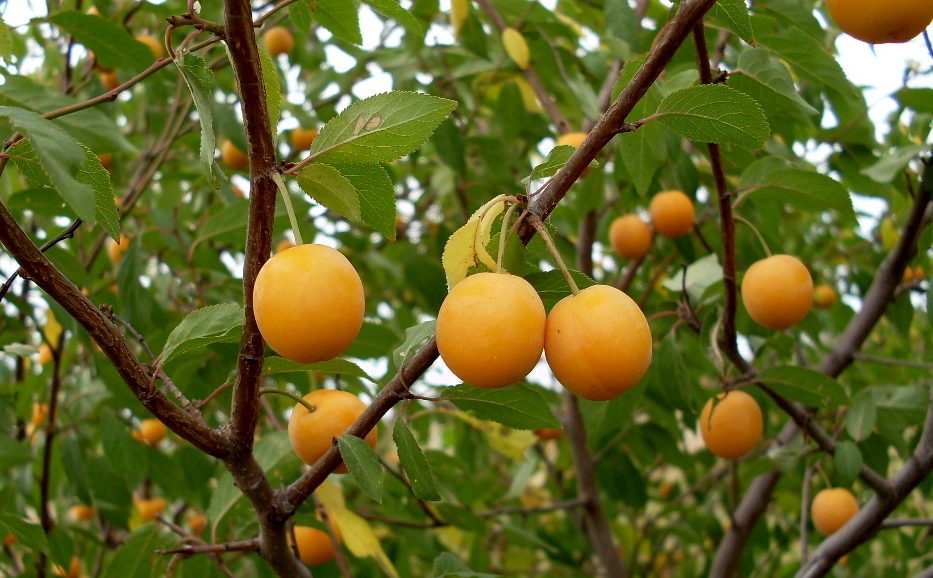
286	198
290	395
552	249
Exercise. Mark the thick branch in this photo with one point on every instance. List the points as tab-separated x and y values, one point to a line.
241	41
598	530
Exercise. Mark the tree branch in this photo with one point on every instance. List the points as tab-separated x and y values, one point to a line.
613	122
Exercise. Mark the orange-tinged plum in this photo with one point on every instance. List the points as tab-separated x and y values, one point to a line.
233	157
109	79
116	249
574	139
630	237
283	245
672	213
549	433
154	44
732	427
151	432
891	21
312	433
490	329
73	570
777	291
106	160
824	296
82	512
598	343
309	303
150	508
831	509
197	523
278	40
303	138
314	545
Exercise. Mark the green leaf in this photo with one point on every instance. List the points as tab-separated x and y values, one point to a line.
75	467
90	126
376	193
213	324
733	15
6	42
552	285
804	385
197	76
518	406
414	337
328	187
449	566
918	99
714	113
643	152
777	181
892	164
134	559
700	276
767	80
342	17
363	464
111	43
555	161
13	453
861	417
415	463
270	78
300	15
29	535
233	217
270	450
93	173
674	385
848	459
60	159
809	59
381	128
393	10
275	365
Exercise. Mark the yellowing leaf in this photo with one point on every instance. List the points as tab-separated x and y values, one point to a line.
466	248
890	236
511	443
516	47
459	10
52	329
359	538
529	98
330	496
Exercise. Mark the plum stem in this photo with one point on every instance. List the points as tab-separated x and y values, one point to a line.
288	394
